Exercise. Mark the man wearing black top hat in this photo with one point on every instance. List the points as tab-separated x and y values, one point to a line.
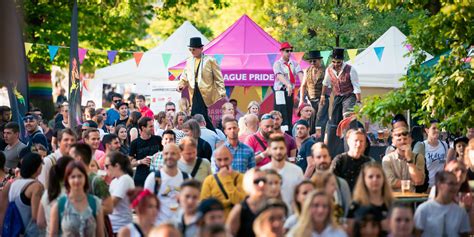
344	81
312	86
204	78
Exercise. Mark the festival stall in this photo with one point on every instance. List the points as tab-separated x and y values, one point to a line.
381	65
245	53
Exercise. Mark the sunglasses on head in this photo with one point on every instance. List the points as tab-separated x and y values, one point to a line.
29	118
267	116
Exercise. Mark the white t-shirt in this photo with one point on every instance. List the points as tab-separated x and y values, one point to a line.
291	175
122	214
435	158
434	219
167	194
47	164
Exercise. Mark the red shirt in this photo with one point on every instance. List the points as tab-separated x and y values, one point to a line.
146	112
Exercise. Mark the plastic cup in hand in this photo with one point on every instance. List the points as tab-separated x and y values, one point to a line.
405	186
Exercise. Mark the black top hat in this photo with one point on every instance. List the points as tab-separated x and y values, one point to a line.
314	54
195	42
338	53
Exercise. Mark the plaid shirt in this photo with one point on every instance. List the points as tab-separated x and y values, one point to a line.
156	161
244	157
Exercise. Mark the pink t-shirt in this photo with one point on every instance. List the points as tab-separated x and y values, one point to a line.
257	147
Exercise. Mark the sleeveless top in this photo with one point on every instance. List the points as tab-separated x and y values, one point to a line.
75	223
343	84
246	220
16	194
134	231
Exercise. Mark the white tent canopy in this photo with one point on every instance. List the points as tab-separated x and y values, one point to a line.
386	72
151	67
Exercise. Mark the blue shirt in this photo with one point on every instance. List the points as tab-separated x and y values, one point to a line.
244	157
210	137
304	152
112	116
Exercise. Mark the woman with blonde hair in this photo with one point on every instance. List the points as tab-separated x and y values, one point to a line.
301	192
372	190
327	181
248	125
317	217
469	159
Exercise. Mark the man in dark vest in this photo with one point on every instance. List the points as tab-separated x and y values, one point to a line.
344	81
203	77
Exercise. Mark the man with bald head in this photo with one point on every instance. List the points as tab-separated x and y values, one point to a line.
165	183
226	184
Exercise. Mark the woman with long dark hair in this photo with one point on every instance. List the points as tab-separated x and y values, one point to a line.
77	213
55	189
121	132
132	125
119	168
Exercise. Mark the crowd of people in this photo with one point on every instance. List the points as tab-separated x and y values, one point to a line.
130	171
134	173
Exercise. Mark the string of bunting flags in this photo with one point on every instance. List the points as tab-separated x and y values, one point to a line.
111	54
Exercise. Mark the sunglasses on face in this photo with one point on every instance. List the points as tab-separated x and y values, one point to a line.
313	61
267	116
288	50
171	110
401	134
117	101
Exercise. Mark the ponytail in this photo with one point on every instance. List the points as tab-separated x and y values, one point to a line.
116	157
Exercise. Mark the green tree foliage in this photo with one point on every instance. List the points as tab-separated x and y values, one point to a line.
325	24
445	89
103	24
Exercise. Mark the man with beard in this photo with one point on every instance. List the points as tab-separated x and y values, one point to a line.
35	136
166	182
320	162
66	138
289	140
302	132
258	141
123	114
291	174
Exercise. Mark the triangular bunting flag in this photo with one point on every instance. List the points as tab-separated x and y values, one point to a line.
472	64
171	77
379	52
352	54
82	54
138	57
259	93
228	91
325	55
28	47
298	56
264	91
53	50
219	58
111	55
271	58
166	59
409	47
175	73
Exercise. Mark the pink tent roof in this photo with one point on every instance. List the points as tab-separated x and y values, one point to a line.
246	54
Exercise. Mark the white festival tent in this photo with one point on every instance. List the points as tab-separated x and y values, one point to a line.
393	63
152	68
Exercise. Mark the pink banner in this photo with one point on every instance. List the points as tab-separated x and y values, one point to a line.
249	78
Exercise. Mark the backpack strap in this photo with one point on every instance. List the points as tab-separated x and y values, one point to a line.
444	147
221	187
185	175
61	204
92	204
196	167
157	182
260	142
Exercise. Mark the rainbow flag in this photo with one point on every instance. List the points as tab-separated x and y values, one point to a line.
40	85
171	76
